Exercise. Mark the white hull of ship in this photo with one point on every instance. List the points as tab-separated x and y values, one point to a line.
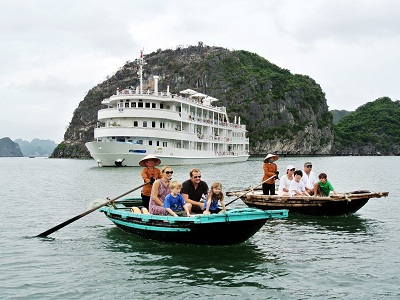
109	154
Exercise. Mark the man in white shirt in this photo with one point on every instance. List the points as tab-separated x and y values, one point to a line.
309	178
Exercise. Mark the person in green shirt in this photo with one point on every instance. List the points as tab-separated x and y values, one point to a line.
323	187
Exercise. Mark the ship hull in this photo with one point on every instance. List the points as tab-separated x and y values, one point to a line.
111	154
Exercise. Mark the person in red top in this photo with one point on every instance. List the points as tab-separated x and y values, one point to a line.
149	174
270	169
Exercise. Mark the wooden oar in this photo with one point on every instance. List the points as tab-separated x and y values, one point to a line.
251	189
59	226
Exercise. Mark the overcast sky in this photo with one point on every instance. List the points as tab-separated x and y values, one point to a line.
53	51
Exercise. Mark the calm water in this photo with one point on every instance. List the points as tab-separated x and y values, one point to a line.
354	257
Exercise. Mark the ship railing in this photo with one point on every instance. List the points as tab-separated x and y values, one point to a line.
184	116
231	153
200	136
210	121
165	95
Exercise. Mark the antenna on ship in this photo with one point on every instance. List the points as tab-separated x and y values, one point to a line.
141	63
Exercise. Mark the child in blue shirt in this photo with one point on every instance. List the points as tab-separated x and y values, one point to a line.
174	202
215	195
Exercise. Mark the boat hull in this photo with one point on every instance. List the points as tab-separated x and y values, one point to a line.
317	208
232	227
108	154
208	234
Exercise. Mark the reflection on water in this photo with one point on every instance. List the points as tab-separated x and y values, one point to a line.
350	224
226	266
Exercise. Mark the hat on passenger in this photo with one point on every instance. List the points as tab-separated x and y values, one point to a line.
273	156
148	157
307	164
289	167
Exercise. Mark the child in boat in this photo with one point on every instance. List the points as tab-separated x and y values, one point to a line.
323	187
215	195
174	202
297	187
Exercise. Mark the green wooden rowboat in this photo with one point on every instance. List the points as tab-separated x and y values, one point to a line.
233	227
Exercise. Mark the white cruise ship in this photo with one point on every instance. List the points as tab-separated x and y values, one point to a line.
184	129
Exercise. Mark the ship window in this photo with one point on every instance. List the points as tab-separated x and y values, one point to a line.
165	144
153	105
150	143
161	106
140	104
127	104
133	104
153	124
135	123
147	105
140	142
144	123
158	143
162	125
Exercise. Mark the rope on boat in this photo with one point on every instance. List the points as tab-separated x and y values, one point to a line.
110	203
346	196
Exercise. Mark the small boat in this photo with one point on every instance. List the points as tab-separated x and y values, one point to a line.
335	205
232	227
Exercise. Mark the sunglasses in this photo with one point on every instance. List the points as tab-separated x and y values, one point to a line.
292	169
309	166
195	177
169	172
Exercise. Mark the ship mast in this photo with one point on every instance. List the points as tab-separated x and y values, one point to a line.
141	63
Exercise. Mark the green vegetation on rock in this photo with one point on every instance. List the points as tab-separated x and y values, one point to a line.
374	128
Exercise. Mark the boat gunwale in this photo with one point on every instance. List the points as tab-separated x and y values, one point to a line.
234	215
333	198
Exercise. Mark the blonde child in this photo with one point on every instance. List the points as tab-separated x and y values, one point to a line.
215	195
174	202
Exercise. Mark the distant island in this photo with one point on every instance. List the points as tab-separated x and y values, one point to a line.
338	115
9	149
20	148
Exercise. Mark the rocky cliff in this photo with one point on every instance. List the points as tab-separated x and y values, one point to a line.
285	113
9	149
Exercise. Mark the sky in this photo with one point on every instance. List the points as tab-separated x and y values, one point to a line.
52	52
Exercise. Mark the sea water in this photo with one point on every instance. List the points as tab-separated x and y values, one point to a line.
302	257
